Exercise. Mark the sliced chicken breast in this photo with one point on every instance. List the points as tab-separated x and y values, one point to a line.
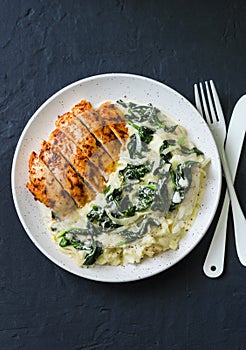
80	135
116	120
65	174
73	154
78	157
83	106
103	133
46	189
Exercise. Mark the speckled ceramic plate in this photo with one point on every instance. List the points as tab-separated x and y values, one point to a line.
98	89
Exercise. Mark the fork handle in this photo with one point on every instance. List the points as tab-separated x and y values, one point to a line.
238	217
214	262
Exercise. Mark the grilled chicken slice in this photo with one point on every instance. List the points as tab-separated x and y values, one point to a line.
46	189
85	145
82	106
79	134
116	120
65	174
73	154
103	133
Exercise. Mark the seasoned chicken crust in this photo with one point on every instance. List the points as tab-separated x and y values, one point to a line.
102	132
78	157
65	174
45	188
113	117
78	133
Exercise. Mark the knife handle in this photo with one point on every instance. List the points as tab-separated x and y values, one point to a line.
238	216
214	263
240	235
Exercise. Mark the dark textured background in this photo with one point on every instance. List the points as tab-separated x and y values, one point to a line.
45	45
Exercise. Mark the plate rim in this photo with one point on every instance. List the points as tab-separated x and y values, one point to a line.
17	150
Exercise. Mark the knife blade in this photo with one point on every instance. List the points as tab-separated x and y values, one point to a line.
214	262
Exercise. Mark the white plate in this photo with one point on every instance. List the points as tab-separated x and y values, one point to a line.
98	89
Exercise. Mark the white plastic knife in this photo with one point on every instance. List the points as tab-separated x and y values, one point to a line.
214	262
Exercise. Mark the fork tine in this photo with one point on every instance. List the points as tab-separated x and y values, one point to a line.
216	101
204	102
197	99
211	106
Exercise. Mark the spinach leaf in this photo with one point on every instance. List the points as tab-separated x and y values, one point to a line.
99	216
70	238
74	231
135	172
92	248
187	150
145	196
166	156
115	195
130	211
90	230
169	128
95	213
132	148
131	236
63	242
145	133
166	144
173	177
125	207
164	166
147	224
95	251
138	113
156	121
161	200
183	172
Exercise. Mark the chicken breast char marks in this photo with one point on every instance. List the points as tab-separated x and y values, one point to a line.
46	189
65	174
76	131
76	158
112	116
101	131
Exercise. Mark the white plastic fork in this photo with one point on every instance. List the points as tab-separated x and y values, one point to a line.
217	126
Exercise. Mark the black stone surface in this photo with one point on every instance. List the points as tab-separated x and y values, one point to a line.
45	45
